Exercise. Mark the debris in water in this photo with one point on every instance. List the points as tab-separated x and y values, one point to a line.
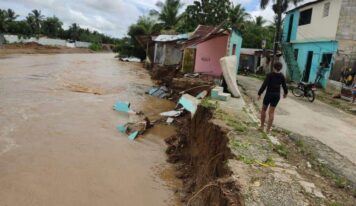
122	128
170	120
131	128
189	103
161	92
133	135
122	107
171	113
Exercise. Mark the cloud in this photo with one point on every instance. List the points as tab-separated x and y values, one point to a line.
112	17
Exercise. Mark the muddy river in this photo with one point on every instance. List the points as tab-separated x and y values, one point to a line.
58	141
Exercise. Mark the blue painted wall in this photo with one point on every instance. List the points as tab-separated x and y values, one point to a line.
318	48
235	38
295	15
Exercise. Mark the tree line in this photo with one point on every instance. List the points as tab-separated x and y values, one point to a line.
169	18
35	25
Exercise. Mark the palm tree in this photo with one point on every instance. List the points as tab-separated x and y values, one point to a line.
36	17
238	15
279	7
51	26
168	13
6	18
260	21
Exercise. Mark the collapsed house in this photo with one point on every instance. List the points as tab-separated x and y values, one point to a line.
167	49
209	45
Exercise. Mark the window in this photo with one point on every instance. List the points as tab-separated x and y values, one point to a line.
305	17
327	58
296	52
234	49
326	9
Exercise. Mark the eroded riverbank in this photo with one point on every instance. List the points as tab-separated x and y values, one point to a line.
58	142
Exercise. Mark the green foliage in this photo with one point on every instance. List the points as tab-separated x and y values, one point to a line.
168	13
96	46
207	103
281	150
253	34
247	160
35	24
213	13
52	27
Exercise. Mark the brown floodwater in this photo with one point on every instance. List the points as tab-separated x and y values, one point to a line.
58	141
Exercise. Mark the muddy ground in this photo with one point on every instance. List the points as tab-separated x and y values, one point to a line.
58	139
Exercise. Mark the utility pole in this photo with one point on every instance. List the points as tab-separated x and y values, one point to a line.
278	8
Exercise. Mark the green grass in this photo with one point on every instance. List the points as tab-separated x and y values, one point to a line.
238	144
281	150
247	160
207	103
335	204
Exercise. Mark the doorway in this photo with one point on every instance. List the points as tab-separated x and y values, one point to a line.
291	19
308	66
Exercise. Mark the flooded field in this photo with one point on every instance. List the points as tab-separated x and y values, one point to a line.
58	142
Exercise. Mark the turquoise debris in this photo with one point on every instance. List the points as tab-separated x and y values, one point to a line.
133	136
189	103
122	107
122	128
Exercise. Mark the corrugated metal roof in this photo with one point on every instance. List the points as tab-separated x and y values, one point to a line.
170	38
249	51
204	33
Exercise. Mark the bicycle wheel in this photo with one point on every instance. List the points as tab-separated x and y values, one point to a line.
298	92
311	95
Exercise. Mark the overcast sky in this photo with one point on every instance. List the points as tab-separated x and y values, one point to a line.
111	17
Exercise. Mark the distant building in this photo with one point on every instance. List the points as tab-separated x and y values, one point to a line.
320	31
210	45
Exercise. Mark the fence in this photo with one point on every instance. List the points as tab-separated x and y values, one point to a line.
45	41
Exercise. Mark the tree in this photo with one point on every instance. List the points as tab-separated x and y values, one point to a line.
207	12
51	27
168	13
7	17
253	35
149	25
260	21
237	16
73	31
35	18
279	7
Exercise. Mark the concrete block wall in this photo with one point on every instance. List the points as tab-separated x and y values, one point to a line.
347	21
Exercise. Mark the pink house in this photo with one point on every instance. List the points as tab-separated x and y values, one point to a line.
208	55
211	44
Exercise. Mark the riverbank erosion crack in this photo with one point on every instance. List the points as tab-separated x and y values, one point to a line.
200	153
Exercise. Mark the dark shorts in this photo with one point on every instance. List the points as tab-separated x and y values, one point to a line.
271	99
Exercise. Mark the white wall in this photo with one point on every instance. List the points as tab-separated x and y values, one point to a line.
46	41
321	28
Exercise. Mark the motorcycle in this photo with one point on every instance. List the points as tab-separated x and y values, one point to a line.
305	90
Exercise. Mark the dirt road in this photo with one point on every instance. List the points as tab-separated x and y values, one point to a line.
329	125
58	142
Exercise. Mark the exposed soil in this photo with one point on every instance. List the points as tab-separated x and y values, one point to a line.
35	48
199	152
